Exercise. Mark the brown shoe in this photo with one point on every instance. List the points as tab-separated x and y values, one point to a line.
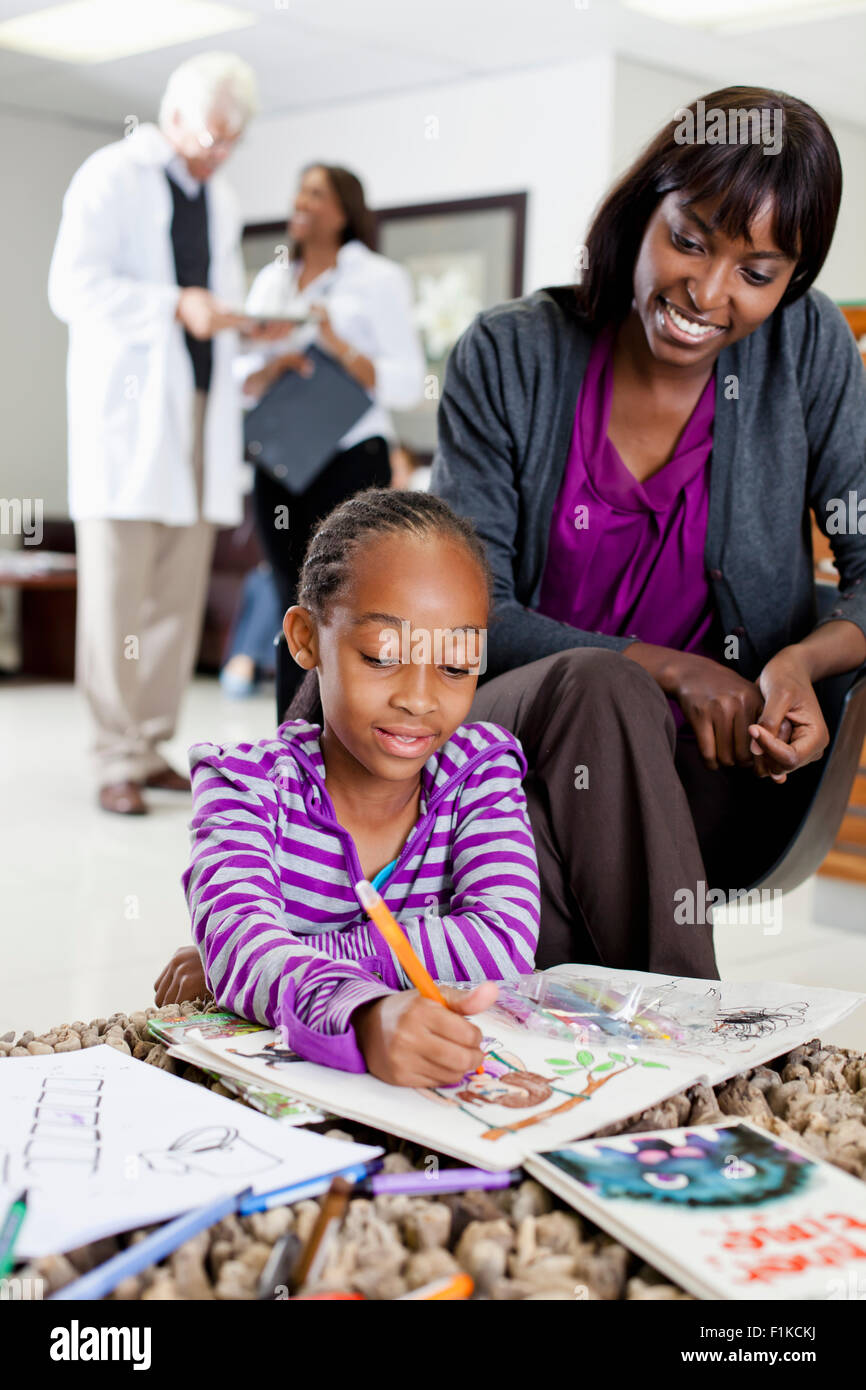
168	781
123	798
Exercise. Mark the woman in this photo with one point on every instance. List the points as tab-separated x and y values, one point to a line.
362	304
640	455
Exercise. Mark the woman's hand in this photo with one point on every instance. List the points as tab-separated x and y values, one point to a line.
791	730
265	330
258	383
203	315
183	978
327	337
718	703
354	362
408	1040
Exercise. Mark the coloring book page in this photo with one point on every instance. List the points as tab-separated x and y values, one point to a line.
534	1093
104	1143
726	1210
727	1026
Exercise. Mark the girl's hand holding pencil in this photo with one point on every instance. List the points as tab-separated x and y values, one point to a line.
408	1040
418	1038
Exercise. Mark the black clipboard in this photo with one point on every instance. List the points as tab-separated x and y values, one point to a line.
296	427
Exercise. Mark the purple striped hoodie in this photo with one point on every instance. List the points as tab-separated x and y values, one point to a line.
270	885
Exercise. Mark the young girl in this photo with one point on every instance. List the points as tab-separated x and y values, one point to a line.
390	785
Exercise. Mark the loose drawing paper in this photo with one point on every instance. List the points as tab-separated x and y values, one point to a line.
104	1143
533	1091
726	1210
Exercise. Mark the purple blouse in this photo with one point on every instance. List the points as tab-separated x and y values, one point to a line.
627	558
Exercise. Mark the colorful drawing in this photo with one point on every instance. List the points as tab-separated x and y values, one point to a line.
505	1081
202	1026
695	1169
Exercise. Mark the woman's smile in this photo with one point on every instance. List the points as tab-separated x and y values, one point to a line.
683	326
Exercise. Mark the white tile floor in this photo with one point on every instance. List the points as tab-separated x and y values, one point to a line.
92	908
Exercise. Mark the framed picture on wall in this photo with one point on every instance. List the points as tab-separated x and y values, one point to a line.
463	256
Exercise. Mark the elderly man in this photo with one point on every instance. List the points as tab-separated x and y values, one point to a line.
146	272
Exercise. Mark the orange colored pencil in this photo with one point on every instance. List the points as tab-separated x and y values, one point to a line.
452	1286
382	917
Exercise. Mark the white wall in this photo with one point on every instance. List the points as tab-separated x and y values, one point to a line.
560	133
37	159
644	98
547	131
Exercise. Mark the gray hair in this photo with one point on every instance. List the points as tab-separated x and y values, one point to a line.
207	83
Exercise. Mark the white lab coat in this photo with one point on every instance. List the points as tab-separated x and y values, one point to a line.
129	377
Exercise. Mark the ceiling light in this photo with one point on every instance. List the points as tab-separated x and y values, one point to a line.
98	31
737	16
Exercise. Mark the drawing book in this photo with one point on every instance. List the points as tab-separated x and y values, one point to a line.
534	1091
726	1210
104	1143
182	1031
279	1105
723	1027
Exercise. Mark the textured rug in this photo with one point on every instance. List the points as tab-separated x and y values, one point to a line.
517	1244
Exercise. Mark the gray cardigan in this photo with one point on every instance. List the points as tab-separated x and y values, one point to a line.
793	435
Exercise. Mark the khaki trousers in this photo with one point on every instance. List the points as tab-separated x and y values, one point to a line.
141	595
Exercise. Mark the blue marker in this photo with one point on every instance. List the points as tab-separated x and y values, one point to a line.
300	1191
100	1281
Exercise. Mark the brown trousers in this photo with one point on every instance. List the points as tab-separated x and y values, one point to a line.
613	830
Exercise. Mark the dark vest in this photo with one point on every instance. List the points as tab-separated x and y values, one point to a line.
189	242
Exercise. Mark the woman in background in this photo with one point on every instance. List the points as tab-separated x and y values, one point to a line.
362	307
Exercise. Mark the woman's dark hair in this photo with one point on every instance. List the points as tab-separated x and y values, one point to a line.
349	192
369	515
803	178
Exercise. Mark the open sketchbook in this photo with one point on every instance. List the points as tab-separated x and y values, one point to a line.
725	1027
727	1210
538	1091
529	1096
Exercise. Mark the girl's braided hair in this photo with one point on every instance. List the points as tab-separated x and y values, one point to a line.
327	566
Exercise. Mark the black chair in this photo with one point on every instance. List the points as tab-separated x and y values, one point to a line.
843	701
